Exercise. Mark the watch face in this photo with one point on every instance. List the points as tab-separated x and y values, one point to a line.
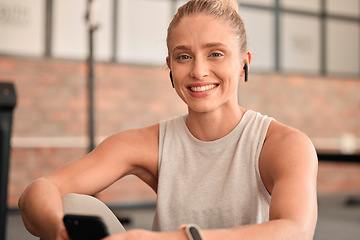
195	233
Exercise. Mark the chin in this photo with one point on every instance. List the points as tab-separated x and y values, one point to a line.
201	108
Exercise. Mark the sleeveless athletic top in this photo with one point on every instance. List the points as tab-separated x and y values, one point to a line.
214	184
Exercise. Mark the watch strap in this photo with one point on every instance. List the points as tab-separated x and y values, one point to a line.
193	232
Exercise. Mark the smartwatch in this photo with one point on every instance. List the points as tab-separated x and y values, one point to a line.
192	232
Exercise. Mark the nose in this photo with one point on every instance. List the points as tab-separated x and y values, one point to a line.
199	69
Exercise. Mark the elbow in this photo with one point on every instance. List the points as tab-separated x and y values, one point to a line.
27	200
22	207
308	226
28	208
22	201
304	231
305	234
295	229
309	231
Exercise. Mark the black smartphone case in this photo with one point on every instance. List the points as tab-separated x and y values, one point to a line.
81	227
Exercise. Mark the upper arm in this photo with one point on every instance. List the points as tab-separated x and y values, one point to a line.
288	164
128	152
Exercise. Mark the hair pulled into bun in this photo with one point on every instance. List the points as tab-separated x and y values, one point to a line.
231	3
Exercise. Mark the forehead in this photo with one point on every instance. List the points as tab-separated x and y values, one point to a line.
199	30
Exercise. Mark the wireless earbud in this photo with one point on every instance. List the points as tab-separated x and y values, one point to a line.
172	81
246	72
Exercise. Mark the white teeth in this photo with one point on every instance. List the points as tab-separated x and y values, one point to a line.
202	88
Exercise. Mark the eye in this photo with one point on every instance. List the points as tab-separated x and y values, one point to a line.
216	54
183	57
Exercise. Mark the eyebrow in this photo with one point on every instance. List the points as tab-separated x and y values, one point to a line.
214	44
207	45
180	47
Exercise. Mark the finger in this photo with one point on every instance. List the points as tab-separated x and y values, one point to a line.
64	234
119	236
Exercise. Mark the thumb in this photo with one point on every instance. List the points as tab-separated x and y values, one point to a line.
64	235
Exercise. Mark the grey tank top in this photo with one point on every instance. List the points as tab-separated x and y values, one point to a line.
214	184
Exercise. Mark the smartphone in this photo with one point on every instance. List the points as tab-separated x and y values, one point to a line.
81	227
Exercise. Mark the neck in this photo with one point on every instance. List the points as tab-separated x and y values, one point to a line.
214	125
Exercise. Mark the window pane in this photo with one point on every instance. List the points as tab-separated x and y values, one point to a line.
348	7
342	47
179	3
142	31
259	25
70	32
306	5
103	39
300	44
22	27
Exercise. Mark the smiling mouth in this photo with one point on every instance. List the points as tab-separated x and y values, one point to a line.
203	88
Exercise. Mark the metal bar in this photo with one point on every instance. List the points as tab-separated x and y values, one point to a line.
323	41
4	170
351	158
342	17
91	111
115	31
48	27
277	35
300	12
92	23
7	104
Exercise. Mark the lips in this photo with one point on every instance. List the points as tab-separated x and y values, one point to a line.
202	88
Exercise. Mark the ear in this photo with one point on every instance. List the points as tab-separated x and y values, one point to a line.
247	57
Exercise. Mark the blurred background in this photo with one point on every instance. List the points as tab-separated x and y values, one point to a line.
305	73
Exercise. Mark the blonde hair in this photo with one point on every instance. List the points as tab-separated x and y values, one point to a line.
222	9
232	3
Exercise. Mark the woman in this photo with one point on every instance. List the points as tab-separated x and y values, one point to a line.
235	173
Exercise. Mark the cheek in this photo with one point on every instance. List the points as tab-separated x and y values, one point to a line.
179	73
229	74
179	77
182	95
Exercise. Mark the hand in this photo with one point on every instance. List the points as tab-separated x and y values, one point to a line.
136	234
62	234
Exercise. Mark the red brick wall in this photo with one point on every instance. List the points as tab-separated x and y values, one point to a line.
50	120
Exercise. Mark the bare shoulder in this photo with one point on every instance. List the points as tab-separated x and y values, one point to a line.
285	138
144	137
287	153
139	147
131	152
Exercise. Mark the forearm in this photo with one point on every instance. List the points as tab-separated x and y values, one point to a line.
272	230
41	209
275	229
